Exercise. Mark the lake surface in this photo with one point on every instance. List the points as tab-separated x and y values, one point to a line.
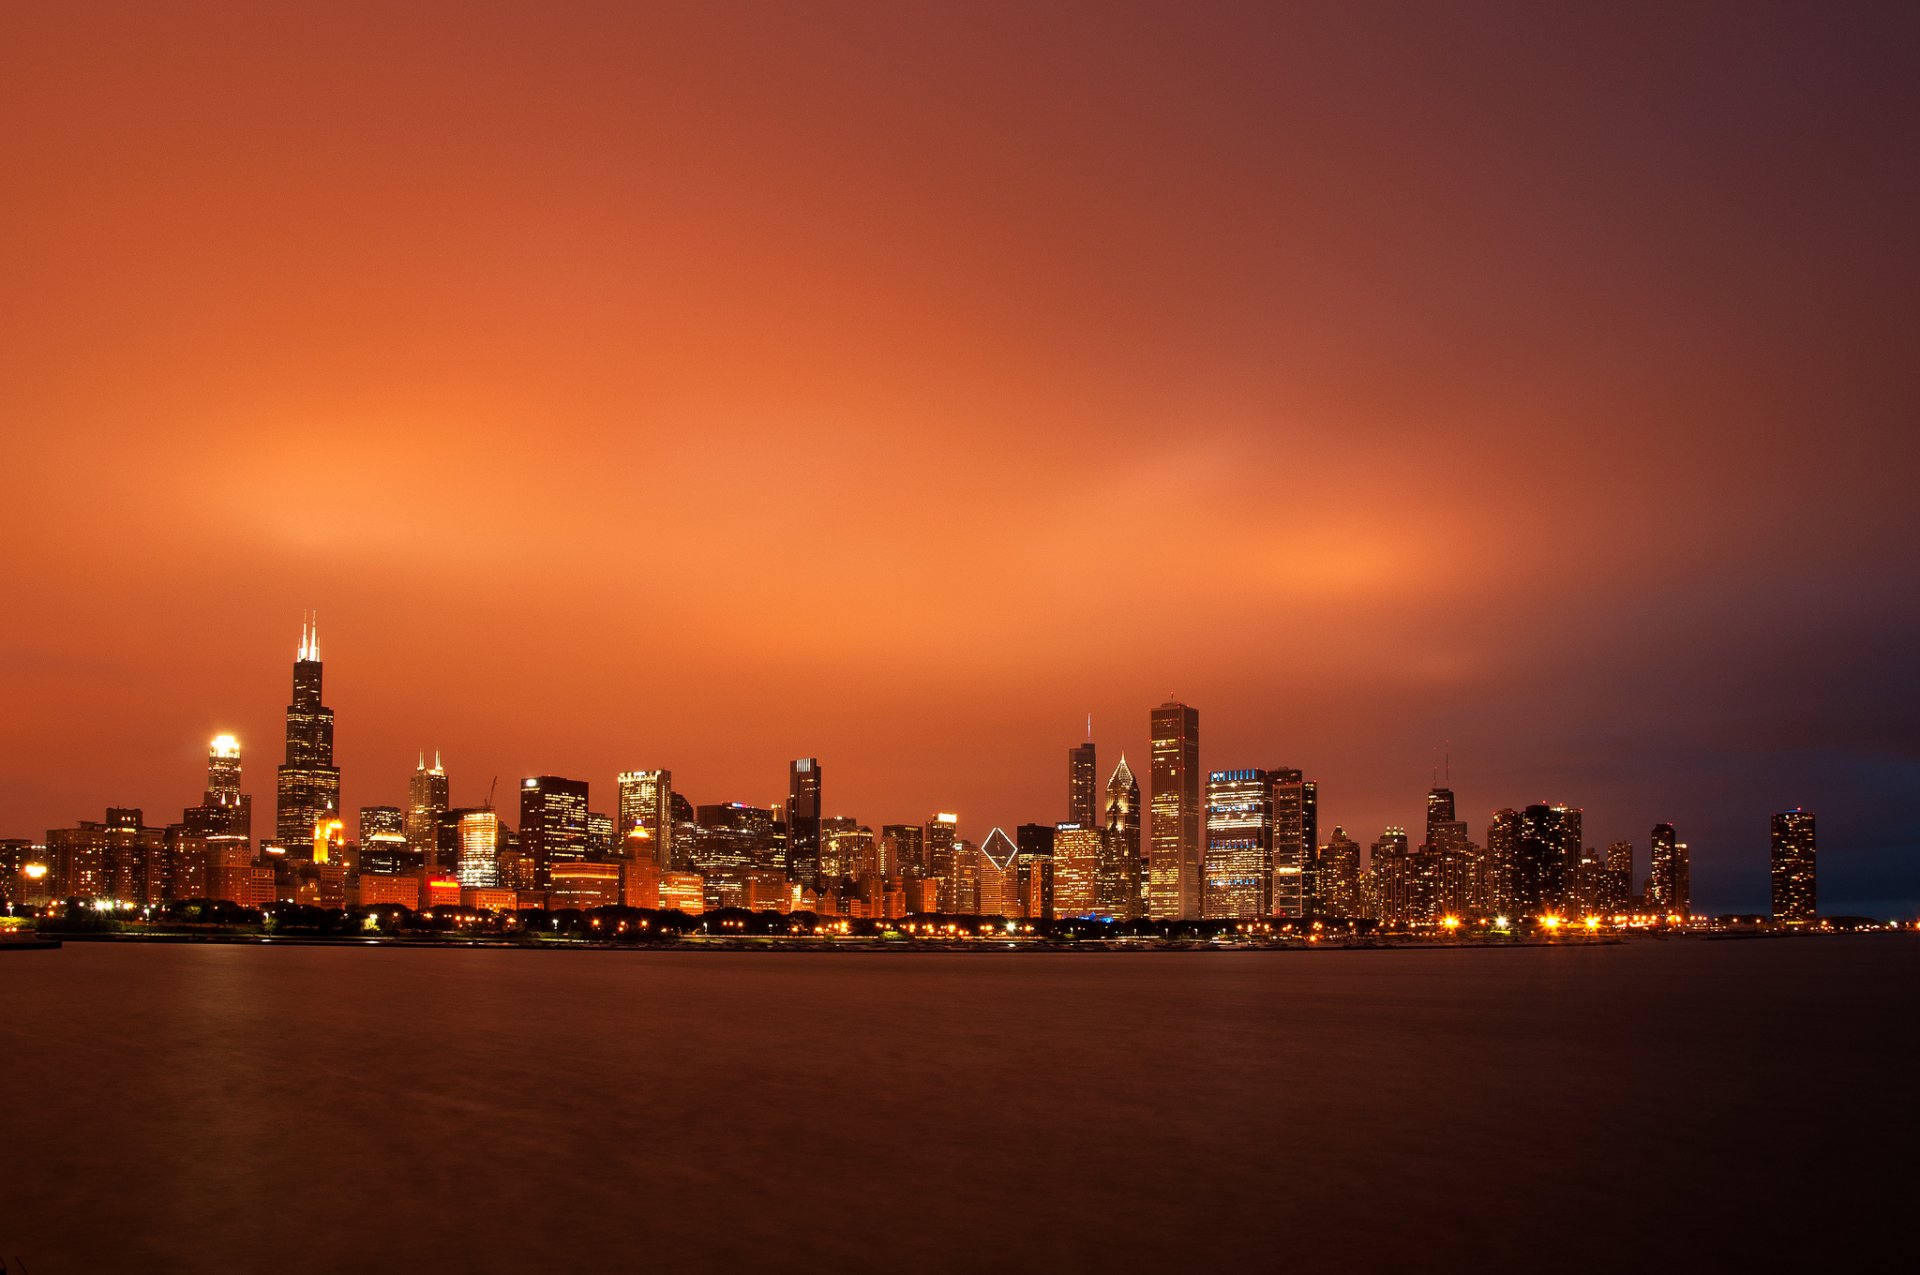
291	1109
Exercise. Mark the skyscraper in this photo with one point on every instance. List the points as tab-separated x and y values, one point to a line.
1546	852
940	832
426	800
646	802
803	821
1795	899
308	788
1120	877
1338	878
1034	869
1080	784
479	849
224	811
1076	870
1175	850
1292	854
1239	859
553	823
1669	886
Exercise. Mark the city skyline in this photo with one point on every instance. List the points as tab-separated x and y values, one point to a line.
1259	869
744	388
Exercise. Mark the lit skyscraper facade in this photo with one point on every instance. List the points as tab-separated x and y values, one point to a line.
1033	867
803	821
1669	884
940	834
1239	854
426	800
1292	857
1081	785
1546	851
1120	884
1076	870
646	802
308	783
1176	849
479	833
1795	899
553	823
1338	877
224	811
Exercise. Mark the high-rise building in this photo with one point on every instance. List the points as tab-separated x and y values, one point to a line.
903	850
1076	870
998	876
1176	849
1310	838
224	811
1670	882
1119	892
426	799
1081	785
1292	856
553	823
479	833
1034	869
1617	878
646	801
803	821
846	850
120	859
1338	878
1503	840
1795	899
308	788
1392	882
1546	852
940	834
1239	860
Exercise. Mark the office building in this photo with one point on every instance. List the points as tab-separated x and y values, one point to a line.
307	783
803	821
1795	898
553	824
1239	858
646	801
1175	846
1120	892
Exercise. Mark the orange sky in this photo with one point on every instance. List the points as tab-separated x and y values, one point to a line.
703	386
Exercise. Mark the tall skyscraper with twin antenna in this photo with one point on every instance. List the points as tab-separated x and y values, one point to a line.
308	783
426	802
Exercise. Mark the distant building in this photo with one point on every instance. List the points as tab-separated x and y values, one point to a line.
426	800
1239	859
1670	883
577	884
1617	887
479	863
119	858
553	824
1291	857
903	850
1545	856
646	801
998	873
1081	785
1120	890
1176	849
803	821
940	834
307	783
1392	881
1338	878
224	811
1033	868
1076	870
1795	899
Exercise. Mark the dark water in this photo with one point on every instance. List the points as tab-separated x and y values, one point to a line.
306	1109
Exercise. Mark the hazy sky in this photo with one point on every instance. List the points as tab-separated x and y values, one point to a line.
703	386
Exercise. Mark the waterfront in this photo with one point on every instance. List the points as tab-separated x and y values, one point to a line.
225	1107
